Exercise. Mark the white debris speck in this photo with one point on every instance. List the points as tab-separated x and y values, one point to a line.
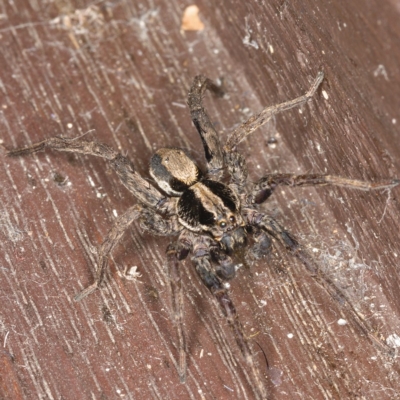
181	105
148	366
201	353
238	266
325	94
69	125
91	181
248	40
394	121
290	335
115	213
263	303
341	322
5	339
132	273
271	48
381	70
393	340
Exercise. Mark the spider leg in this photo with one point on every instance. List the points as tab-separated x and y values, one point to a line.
254	122
159	225
237	170
286	239
201	260
225	267
266	185
262	244
138	186
113	237
202	122
149	221
175	253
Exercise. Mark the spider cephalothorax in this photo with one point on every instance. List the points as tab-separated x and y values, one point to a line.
208	217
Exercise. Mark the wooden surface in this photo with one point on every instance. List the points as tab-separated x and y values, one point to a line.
121	71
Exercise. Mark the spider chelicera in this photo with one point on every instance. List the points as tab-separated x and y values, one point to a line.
210	214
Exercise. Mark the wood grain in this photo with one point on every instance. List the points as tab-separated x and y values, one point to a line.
119	72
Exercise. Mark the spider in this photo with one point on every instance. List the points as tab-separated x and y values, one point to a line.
210	214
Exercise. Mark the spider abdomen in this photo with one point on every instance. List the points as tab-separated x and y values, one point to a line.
174	170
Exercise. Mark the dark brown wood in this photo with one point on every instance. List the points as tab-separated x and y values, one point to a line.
121	72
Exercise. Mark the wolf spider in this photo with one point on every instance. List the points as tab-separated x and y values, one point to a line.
211	219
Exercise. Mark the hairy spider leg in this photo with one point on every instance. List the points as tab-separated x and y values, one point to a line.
262	245
215	156
201	258
257	120
237	170
174	255
149	221
225	267
271	226
159	225
138	186
201	121
264	188
179	251
113	236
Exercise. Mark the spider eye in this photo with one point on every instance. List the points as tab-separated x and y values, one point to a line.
232	219
222	224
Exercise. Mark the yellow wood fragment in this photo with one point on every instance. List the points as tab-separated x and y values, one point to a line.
191	20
